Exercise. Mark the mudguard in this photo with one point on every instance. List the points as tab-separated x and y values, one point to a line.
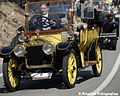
114	25
6	51
65	47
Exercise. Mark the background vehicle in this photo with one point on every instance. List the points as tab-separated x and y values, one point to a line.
40	54
109	28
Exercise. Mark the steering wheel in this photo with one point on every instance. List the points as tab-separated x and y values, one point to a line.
39	22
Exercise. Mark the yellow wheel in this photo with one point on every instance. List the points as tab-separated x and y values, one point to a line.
70	69
10	74
97	68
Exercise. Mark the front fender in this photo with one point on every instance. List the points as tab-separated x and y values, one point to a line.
6	51
65	47
114	25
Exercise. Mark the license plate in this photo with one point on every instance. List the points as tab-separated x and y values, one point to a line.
39	76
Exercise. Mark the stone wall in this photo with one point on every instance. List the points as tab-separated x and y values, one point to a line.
11	17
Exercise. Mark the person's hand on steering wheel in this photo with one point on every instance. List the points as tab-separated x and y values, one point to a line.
52	22
48	22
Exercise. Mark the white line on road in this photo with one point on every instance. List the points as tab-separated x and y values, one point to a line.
1	74
109	77
1	60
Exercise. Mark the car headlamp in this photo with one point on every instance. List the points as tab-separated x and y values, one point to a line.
115	10
19	50
64	36
21	38
48	48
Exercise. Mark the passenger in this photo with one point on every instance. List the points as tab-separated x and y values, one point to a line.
76	21
46	21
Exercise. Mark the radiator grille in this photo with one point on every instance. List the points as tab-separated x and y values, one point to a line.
35	55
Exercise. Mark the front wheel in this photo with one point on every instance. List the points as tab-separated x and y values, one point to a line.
10	74
70	69
97	68
114	44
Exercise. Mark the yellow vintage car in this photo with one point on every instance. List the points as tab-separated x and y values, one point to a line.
47	45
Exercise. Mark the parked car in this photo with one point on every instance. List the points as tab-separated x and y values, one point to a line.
40	54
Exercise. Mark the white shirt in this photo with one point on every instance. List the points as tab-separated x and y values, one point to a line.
46	22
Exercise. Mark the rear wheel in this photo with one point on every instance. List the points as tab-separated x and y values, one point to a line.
70	69
114	44
97	68
10	75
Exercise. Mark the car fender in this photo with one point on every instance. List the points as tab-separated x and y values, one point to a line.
114	25
6	52
65	47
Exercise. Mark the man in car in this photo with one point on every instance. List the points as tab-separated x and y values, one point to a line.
46	21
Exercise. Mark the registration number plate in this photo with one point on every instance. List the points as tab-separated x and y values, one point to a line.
39	76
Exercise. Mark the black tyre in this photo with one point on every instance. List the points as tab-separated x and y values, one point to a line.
114	44
97	68
70	69
10	75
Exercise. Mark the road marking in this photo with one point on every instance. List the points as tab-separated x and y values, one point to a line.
1	74
109	77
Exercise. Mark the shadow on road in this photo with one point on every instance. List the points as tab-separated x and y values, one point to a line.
3	90
55	82
84	76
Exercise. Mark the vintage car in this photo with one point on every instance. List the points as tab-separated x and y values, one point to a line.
40	53
109	27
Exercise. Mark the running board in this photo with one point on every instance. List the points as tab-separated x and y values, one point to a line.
108	35
87	63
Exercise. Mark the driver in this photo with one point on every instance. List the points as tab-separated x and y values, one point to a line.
46	21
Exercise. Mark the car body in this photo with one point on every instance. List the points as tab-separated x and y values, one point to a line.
40	54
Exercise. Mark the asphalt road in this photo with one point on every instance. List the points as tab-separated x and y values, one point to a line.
107	83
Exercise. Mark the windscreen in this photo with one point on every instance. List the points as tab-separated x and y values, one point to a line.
48	16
